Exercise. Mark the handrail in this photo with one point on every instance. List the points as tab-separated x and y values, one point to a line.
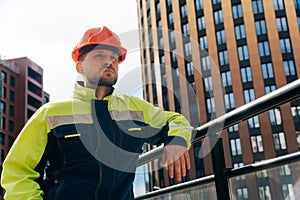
265	164
278	97
251	168
180	186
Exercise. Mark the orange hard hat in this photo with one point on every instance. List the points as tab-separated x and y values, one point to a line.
103	37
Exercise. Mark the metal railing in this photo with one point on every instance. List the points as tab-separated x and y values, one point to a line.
272	100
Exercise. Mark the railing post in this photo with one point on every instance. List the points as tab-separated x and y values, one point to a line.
219	167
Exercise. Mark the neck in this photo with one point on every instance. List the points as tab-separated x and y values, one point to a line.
102	91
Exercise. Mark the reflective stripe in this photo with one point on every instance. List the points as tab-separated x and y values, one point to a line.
72	135
127	115
55	121
173	125
134	129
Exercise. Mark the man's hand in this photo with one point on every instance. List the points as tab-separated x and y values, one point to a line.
177	159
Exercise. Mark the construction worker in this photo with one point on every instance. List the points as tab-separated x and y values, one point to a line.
87	147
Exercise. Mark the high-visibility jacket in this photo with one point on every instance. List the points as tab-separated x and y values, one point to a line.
84	148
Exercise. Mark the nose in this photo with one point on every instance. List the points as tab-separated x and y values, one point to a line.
107	61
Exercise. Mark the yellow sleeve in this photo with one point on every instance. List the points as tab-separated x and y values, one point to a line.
179	126
18	174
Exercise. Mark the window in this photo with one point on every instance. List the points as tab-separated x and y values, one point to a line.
257	7
11	96
10	141
264	49
229	101
199	4
223	57
221	37
11	125
289	68
298	19
298	138
186	29
218	16
226	79
187	49
161	43
261	174
264	192
171	18
3	106
210	105
240	32
285	45
275	116
205	61
235	145
249	95
243	53
288	191
203	43
260	27
201	23
297	4
2	138
284	170
169	3
172	36
208	84
11	111
12	81
237	11
157	6
239	165
4	92
174	55
183	11
270	88
296	114
253	122
242	193
2	155
257	144
279	141
281	24
4	76
3	123
216	2
278	4
246	74
190	69
233	128
267	70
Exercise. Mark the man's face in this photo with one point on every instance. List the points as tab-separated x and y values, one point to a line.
99	68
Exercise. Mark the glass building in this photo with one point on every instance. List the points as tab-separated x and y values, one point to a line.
204	58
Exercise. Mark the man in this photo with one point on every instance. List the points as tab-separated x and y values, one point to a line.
87	147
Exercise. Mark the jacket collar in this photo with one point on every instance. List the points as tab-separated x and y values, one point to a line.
84	93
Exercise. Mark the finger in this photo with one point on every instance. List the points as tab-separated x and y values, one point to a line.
187	160
171	170
164	160
183	165
178	170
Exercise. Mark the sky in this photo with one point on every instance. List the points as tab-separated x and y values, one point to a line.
47	31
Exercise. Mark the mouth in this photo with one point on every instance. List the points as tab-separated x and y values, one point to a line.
109	69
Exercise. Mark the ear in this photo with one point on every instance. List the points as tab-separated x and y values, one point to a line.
79	67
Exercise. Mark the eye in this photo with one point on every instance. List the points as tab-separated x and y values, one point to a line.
113	58
100	55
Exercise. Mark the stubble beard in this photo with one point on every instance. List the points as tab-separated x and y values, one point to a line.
103	81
